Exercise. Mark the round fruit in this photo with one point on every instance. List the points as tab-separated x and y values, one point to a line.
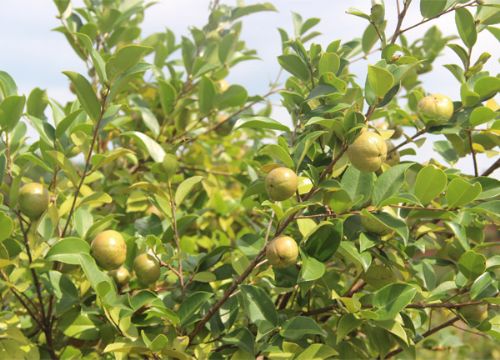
435	109
367	152
109	249
379	275
146	268
374	225
170	165
33	200
282	251
281	183
120	275
474	314
392	157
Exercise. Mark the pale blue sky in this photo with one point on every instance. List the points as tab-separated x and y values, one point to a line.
35	56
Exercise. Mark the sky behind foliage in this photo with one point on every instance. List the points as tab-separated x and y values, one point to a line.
35	56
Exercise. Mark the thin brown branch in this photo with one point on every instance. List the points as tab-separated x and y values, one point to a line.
492	168
473	152
408	140
401	16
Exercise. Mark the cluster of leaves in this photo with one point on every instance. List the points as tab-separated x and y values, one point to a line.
387	258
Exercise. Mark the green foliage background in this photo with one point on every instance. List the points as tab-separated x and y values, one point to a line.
356	292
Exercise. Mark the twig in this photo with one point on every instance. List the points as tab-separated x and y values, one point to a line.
492	168
407	141
473	152
173	209
401	16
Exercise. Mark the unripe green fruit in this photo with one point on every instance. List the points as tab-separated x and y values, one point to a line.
392	157
367	152
281	183
121	275
109	249
170	165
379	275
374	225
282	252
146	268
474	314
33	200
435	109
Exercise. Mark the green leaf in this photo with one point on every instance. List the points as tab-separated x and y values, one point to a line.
8	86
11	110
329	62
234	96
6	226
124	59
260	122
484	286
469	97
185	188
37	102
394	223
85	94
349	251
258	305
150	120
466	26
393	298
461	192
431	8
151	146
97	60
206	95
472	264
358	184
487	86
380	80
240	11
347	323
317	352
191	306
298	327
294	65
68	250
323	241
389	182
430	182
481	115
168	96
277	152
66	165
311	269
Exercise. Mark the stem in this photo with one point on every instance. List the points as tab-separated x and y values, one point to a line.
401	16
473	152
492	168
173	209
426	334
407	141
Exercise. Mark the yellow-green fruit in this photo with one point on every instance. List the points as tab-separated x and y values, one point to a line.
367	152
282	251
121	275
392	157
379	275
109	249
33	200
281	183
435	109
146	268
170	165
374	225
474	314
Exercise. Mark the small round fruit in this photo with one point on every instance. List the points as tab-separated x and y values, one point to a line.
33	200
120	275
282	252
367	152
374	225
170	165
474	314
392	157
146	268
281	183
435	109
109	249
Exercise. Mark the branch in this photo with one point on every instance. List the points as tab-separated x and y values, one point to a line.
473	152
407	141
401	16
426	334
492	168
176	233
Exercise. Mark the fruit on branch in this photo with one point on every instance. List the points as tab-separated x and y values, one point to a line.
374	225
474	314
226	128
169	165
367	152
282	251
33	200
281	183
121	276
109	249
379	275
146	268
392	157
435	109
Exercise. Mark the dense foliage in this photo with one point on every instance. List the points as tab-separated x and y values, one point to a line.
163	213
